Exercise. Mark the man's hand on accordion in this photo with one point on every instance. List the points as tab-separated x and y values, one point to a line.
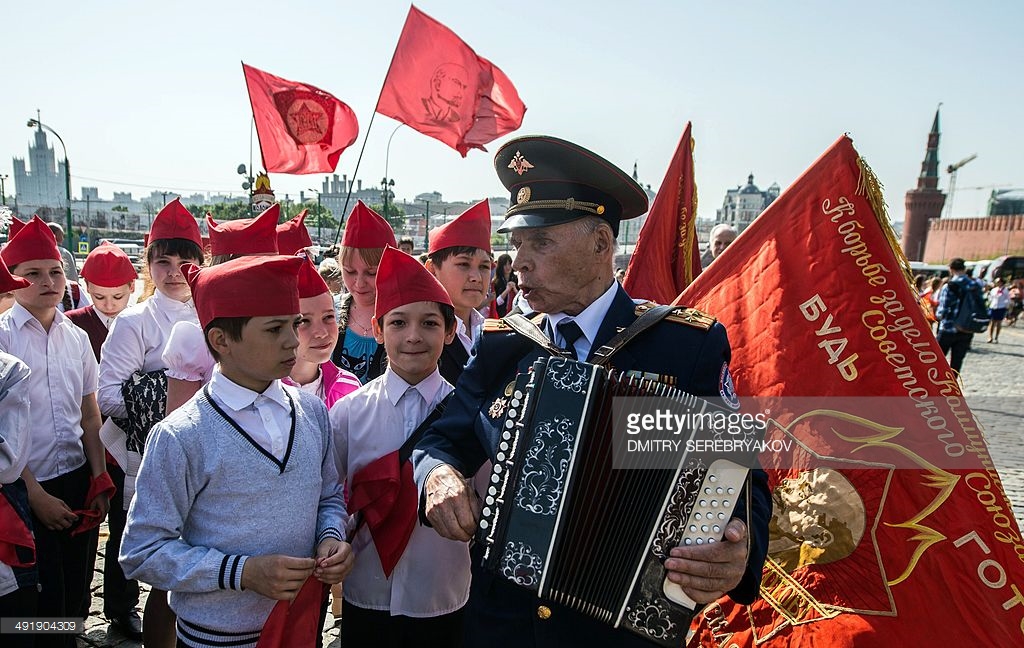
451	504
707	572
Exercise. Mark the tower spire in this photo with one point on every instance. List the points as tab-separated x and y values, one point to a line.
929	178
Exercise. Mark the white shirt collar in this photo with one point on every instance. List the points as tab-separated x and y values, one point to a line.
589	320
104	320
238	398
395	386
476	321
167	304
21	316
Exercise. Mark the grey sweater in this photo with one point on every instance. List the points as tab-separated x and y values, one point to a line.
208	497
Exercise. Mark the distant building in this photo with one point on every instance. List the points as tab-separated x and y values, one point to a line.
43	183
1006	202
745	203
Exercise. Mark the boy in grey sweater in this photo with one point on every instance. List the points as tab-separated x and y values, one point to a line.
238	500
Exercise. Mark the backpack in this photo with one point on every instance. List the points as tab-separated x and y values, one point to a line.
972	313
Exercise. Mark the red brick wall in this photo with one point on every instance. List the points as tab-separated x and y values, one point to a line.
974	238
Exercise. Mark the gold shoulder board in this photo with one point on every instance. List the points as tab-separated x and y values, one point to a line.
691	317
495	326
681	315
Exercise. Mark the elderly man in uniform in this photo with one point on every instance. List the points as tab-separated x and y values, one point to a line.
566	206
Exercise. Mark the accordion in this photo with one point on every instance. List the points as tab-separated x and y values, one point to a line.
570	513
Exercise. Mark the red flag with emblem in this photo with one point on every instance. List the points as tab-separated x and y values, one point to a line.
891	526
667	257
301	128
438	85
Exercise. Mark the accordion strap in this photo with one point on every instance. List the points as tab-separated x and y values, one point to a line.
650	317
530	330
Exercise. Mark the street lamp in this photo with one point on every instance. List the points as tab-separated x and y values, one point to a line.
248	184
34	123
3	194
319	216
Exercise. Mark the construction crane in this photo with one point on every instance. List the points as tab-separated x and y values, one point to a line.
952	170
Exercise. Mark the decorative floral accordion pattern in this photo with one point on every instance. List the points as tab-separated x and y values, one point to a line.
684	494
545	466
652	617
520	564
568	375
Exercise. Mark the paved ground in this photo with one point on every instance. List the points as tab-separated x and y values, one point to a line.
993	376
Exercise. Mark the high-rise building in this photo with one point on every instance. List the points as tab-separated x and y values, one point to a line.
925	202
43	183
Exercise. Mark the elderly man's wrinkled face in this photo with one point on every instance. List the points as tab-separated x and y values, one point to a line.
558	266
720	241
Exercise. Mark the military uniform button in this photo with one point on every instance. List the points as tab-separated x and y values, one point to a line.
544	612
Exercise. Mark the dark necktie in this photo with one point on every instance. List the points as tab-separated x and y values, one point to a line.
570	332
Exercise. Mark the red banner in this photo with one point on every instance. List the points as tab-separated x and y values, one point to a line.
888	529
667	256
438	85
301	128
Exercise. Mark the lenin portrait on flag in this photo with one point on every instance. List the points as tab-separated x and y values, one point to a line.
447	87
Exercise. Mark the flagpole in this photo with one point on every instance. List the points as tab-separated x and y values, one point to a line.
348	196
366	138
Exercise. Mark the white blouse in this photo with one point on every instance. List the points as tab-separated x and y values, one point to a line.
136	343
432	577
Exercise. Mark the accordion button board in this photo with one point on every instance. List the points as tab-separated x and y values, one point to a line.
564	517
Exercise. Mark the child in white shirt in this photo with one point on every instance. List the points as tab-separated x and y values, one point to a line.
408	584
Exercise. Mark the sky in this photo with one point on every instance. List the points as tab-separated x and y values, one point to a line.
150	96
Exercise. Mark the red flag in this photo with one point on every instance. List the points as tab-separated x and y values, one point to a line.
667	257
890	526
302	129
438	85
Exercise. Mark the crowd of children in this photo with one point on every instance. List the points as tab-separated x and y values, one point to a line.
236	422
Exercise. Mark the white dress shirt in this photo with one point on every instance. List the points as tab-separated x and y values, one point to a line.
63	373
432	576
589	321
136	343
469	336
266	417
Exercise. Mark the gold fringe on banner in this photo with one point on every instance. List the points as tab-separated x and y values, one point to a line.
868	185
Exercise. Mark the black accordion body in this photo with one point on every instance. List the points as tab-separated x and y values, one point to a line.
561	520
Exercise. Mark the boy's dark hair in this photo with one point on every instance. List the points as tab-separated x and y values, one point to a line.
183	248
442	255
447	314
957	264
232	327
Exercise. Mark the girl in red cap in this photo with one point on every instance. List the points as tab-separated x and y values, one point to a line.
318	333
133	354
366	236
65	475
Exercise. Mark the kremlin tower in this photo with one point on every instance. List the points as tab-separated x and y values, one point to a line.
925	202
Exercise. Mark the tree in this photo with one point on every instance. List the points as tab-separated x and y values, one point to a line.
394	215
